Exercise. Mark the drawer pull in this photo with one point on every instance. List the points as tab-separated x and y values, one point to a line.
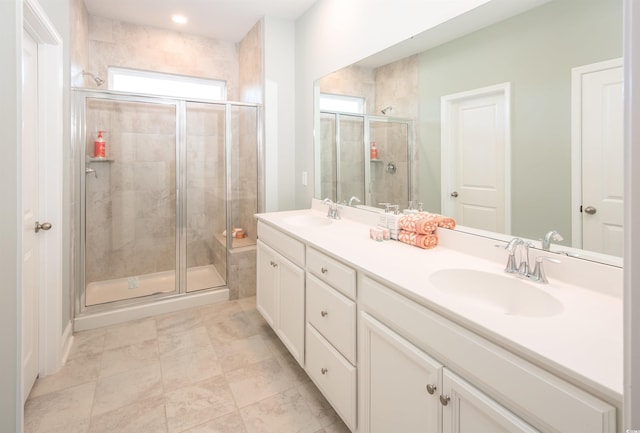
324	270
431	389
324	371
324	313
444	399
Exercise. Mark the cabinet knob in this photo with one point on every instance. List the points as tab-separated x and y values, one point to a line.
444	399
324	270
324	313
431	389
324	371
274	264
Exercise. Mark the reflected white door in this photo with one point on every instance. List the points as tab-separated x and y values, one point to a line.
601	121
30	249
475	158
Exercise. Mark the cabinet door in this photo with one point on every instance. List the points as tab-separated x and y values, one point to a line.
266	283
399	383
468	410
290	324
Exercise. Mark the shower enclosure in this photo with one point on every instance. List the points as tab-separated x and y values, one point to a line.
168	210
345	164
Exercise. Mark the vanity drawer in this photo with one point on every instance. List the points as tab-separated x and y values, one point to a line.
333	315
333	375
289	247
332	272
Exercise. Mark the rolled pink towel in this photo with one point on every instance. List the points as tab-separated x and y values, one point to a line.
440	220
426	241
423	224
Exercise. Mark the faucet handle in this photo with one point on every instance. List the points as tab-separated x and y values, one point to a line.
538	273
386	205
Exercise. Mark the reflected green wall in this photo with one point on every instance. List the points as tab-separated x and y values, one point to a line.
535	52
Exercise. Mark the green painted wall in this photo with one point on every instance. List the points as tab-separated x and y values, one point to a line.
535	52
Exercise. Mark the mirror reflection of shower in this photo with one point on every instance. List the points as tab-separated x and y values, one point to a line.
345	163
99	81
387	110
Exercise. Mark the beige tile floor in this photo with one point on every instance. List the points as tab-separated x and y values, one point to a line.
217	369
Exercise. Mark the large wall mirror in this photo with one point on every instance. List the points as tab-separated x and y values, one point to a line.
516	127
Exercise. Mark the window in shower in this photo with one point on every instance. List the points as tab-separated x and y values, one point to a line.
341	103
156	83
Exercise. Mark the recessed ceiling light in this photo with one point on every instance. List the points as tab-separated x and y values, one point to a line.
179	19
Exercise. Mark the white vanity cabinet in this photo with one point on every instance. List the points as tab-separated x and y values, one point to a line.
280	287
331	332
469	410
485	388
404	389
399	384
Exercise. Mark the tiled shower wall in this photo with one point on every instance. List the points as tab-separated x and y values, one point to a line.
116	43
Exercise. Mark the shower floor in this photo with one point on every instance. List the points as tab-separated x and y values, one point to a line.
198	278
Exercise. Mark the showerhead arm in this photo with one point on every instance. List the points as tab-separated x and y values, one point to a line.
385	110
99	81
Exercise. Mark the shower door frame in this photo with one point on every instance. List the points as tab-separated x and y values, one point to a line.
79	140
367	119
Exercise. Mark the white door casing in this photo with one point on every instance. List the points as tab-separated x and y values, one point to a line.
30	214
597	157
54	336
476	157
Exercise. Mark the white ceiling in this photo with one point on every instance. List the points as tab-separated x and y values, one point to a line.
228	20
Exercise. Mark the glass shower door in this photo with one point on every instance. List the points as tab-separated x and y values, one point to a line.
130	200
390	174
205	191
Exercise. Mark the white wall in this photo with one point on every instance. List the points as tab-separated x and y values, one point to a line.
279	114
10	131
336	33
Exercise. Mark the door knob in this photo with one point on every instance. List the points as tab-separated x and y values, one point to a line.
43	226
590	210
454	194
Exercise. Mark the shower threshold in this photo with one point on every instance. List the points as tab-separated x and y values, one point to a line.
198	278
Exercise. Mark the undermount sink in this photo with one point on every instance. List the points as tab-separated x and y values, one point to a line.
504	294
307	221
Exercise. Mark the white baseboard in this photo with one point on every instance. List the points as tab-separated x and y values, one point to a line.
66	342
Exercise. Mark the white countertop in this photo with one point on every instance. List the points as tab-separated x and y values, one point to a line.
583	343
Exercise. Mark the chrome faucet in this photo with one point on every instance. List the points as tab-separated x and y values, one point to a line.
553	235
353	199
522	267
538	273
512	247
334	209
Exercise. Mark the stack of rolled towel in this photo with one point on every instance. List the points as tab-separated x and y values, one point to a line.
419	228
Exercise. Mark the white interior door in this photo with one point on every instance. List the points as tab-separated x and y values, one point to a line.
600	114
30	199
476	158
